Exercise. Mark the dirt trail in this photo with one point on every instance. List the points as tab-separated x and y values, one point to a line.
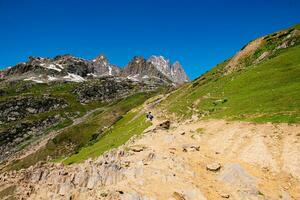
192	160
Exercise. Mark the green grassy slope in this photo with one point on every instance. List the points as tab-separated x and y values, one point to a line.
268	91
72	139
133	123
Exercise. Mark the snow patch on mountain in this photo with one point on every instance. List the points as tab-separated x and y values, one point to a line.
109	70
52	78
52	66
74	78
133	77
34	79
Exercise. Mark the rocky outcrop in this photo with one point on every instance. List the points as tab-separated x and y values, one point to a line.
20	107
11	138
164	164
173	72
139	69
108	89
101	67
17	122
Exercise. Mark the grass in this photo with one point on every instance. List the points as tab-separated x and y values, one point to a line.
131	124
265	92
73	139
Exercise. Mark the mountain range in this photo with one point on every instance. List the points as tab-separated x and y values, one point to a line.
70	68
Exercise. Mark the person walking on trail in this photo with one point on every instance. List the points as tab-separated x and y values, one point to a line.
149	116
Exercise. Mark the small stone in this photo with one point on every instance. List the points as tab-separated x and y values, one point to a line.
190	147
224	195
178	196
213	167
137	148
165	124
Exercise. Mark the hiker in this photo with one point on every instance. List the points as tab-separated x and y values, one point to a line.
149	116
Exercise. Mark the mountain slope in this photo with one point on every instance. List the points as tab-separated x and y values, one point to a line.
247	89
31	112
64	68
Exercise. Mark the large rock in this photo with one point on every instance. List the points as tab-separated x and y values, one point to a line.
213	167
165	125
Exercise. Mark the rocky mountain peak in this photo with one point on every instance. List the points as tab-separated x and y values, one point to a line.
174	71
162	64
70	68
100	58
178	73
102	67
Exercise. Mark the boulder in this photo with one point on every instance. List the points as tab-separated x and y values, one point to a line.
190	147
214	167
165	125
225	195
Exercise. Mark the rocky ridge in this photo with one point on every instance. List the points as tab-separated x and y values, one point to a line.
69	68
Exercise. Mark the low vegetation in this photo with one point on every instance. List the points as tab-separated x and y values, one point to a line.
74	138
266	92
133	123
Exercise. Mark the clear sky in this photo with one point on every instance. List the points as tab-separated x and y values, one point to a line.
198	33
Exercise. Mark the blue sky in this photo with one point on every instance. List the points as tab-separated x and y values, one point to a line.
199	34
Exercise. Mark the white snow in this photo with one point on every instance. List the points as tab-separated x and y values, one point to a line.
109	70
54	67
52	78
60	66
133	78
145	77
34	79
74	78
92	74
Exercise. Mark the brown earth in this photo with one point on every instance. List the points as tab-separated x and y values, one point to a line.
195	159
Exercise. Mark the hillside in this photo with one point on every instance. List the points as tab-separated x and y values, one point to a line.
260	83
233	133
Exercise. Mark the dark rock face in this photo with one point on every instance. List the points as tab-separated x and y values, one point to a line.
108	89
178	73
11	137
101	67
15	130
140	69
173	72
165	125
17	108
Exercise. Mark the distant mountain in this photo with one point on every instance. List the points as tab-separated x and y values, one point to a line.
70	68
174	72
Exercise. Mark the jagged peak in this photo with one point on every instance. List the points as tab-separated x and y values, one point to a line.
100	58
137	59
